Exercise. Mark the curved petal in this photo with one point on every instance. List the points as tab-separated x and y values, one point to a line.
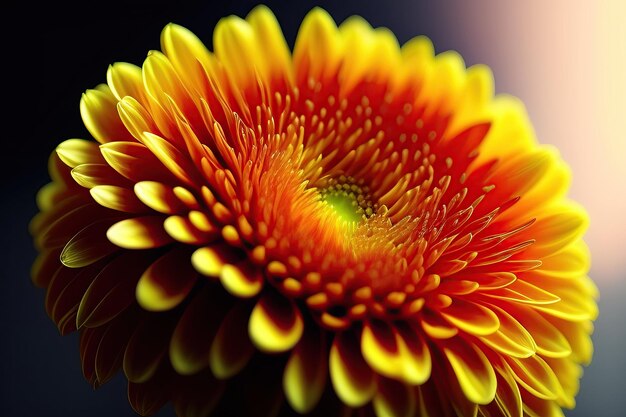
472	318
397	352
88	246
231	349
352	378
139	233
146	348
305	374
74	152
167	281
275	324
98	108
472	369
196	329
394	399
111	291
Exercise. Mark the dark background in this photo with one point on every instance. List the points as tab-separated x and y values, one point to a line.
72	48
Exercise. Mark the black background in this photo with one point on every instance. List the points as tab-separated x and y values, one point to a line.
58	52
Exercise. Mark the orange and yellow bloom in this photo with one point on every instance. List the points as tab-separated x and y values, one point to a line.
352	228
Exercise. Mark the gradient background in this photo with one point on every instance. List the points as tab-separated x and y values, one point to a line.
566	60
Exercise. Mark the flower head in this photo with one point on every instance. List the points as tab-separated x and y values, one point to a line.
354	225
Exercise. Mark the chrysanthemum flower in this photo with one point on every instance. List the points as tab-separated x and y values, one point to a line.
354	227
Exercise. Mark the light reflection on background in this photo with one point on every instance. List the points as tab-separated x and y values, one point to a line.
567	61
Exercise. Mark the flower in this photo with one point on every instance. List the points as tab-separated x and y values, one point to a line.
356	225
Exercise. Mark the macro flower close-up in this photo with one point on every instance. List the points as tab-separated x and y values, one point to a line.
351	227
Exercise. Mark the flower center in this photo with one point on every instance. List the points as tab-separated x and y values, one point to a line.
351	201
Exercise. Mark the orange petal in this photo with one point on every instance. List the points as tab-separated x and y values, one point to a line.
306	371
436	327
353	380
167	281
275	324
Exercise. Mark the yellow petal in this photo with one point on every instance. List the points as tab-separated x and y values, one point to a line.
511	338
235	46
117	198
275	324
174	160
511	132
535	376
472	318
166	282
231	349
125	79
183	230
273	48
158	196
139	233
318	48
90	175
187	54
562	226
98	108
305	374
397	352
549	340
75	152
242	280
571	262
352	378
473	371
136	118
508	396
210	260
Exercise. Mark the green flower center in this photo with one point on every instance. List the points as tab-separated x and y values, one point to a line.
351	201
